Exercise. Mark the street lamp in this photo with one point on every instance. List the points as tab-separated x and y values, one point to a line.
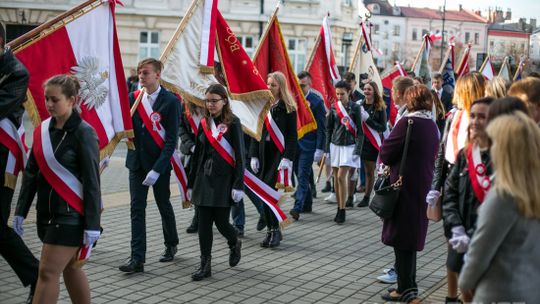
442	32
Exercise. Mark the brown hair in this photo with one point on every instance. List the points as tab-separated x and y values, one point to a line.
378	102
439	107
226	112
527	89
158	65
507	105
401	84
469	88
418	97
69	85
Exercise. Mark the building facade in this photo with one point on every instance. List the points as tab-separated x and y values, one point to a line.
507	39
144	27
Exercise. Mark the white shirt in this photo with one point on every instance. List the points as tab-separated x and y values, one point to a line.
152	97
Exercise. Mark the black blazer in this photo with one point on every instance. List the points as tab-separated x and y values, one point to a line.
446	99
147	154
337	133
211	177
187	137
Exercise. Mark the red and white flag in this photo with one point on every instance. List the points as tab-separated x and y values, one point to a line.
487	69
387	83
362	62
463	67
85	45
504	72
13	139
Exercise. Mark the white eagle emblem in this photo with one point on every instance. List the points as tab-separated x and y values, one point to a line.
93	92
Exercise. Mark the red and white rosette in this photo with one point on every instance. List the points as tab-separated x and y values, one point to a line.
345	119
478	172
155	118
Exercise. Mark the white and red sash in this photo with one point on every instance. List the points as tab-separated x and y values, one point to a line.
61	180
194	120
457	135
268	195
275	133
345	119
477	172
373	136
13	140
152	122
284	180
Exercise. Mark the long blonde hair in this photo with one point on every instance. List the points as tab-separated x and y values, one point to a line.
284	93
517	173
469	88
497	87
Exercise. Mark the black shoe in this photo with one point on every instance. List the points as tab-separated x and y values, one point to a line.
205	270
327	187
295	214
261	223
168	254
364	202
313	192
193	228
275	239
307	210
449	300
340	219
392	296
349	203
266	241
132	266
239	231
31	294
235	253
337	214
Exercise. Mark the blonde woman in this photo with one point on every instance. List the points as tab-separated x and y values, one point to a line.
503	260
497	87
270	154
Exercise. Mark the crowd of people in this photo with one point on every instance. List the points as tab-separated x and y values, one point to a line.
472	156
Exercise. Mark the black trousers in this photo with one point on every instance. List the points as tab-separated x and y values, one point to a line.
139	194
207	217
271	220
12	247
406	272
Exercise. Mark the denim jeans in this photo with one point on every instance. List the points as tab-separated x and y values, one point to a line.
238	213
302	169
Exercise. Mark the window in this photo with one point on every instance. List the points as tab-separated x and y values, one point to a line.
476	38
385	35
385	22
395	47
396	30
414	34
467	37
149	44
424	32
297	52
248	43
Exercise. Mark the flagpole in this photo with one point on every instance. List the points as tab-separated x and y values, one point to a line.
181	27
460	66
58	22
267	29
443	63
315	46
484	63
503	65
418	55
356	52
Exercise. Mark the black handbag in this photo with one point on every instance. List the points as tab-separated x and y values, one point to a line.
386	193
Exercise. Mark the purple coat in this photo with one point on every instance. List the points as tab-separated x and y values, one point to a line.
407	228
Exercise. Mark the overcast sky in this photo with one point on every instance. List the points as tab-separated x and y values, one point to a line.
520	8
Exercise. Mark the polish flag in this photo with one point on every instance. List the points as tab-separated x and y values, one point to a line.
85	45
435	37
487	69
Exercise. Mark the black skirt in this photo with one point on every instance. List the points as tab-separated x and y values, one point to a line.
61	234
369	152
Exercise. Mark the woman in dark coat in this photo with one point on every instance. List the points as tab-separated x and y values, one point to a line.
214	184
406	230
266	158
374	116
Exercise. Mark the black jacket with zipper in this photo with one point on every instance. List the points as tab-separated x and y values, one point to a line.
76	148
337	133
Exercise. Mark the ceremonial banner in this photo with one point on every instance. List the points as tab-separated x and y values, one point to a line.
182	74
13	139
463	67
82	41
362	61
447	71
504	72
271	55
423	69
487	69
387	83
322	65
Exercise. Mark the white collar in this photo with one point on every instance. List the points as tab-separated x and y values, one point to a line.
154	95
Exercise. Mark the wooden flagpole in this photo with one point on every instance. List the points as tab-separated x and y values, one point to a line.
313	50
418	55
443	63
484	63
267	29
465	52
356	52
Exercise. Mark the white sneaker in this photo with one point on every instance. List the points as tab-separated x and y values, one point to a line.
354	200
389	278
331	198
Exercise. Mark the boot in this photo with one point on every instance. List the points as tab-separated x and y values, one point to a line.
205	270
194	226
266	239
341	216
327	187
275	238
235	253
337	214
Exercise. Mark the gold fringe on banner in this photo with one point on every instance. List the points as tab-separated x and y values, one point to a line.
252	96
285	223
186	204
10	180
306	129
282	186
109	148
31	108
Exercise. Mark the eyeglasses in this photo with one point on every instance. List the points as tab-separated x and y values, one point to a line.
212	100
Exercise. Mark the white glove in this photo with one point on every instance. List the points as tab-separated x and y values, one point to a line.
90	236
18	225
459	241
318	155
104	163
188	194
237	195
432	197
254	163
364	114
285	164
151	178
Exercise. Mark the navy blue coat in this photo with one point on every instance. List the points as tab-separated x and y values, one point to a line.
315	139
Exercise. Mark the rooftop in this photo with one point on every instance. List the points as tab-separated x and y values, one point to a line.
455	15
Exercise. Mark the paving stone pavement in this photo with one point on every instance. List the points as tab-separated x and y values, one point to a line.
317	262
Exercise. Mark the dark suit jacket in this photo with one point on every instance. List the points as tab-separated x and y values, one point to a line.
211	177
446	99
315	139
147	154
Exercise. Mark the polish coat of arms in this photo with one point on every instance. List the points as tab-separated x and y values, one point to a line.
93	91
